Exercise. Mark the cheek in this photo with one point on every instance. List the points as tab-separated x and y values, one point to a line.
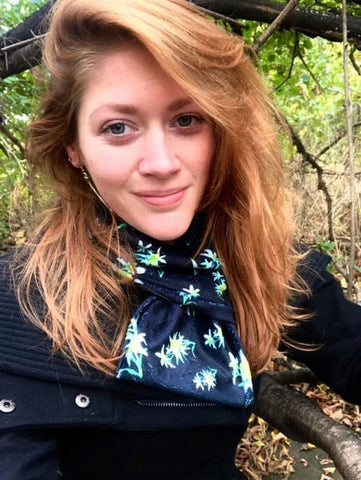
106	167
206	156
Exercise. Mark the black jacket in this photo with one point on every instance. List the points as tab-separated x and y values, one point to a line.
56	423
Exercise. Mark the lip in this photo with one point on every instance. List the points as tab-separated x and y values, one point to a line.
166	198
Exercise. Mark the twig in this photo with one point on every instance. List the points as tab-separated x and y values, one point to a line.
15	46
309	70
3	149
339	137
11	137
353	61
340	270
294	54
321	185
274	25
351	163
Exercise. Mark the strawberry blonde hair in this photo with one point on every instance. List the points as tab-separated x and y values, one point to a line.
87	307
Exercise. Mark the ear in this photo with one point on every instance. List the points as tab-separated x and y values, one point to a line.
73	155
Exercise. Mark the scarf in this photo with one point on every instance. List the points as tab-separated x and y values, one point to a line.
182	337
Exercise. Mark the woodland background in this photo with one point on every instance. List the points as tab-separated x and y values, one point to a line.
313	71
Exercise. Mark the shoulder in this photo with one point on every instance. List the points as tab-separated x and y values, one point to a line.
312	267
20	341
11	319
5	272
26	350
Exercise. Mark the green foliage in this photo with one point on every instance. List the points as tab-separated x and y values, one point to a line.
306	77
18	96
332	6
14	11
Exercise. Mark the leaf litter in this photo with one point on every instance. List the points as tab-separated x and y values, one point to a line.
263	450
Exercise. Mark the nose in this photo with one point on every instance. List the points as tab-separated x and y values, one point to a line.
159	157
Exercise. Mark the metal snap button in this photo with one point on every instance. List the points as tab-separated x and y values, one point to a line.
7	406
83	401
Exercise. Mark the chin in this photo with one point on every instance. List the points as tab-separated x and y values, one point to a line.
167	236
167	233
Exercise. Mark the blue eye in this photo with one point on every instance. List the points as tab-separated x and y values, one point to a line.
117	128
186	120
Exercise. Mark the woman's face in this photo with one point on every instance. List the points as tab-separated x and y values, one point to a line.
146	145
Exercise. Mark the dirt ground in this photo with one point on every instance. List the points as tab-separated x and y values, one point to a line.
312	464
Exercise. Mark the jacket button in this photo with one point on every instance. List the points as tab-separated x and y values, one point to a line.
7	406
83	401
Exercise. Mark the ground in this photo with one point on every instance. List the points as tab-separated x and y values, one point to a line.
311	464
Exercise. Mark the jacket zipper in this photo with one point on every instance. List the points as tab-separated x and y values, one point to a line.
155	403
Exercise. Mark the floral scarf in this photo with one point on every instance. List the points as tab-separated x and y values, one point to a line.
183	337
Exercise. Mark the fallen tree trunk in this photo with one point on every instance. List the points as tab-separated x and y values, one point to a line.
301	419
313	23
15	54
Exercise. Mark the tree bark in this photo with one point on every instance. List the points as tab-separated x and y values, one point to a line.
16	57
34	25
301	419
313	23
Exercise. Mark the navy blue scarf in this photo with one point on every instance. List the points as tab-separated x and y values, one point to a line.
183	337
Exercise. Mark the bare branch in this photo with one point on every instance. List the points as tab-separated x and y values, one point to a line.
17	45
274	25
11	137
310	22
294	55
281	407
338	138
351	162
321	185
309	70
353	61
3	149
20	60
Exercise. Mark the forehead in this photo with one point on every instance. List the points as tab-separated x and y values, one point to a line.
128	75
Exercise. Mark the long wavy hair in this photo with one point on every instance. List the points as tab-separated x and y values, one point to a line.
87	307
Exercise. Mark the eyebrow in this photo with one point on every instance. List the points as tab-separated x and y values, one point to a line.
132	109
180	103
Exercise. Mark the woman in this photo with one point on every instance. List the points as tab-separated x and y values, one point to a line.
159	282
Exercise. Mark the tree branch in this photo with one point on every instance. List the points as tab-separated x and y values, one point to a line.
350	162
20	60
338	138
321	185
11	137
353	60
274	25
310	22
281	407
294	55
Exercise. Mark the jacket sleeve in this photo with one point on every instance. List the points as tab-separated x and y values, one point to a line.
334	333
29	454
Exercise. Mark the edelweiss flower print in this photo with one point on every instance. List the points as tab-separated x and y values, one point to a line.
183	336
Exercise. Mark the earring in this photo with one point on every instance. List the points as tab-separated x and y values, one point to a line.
93	188
85	176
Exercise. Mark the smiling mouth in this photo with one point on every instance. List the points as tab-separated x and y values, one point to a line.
163	199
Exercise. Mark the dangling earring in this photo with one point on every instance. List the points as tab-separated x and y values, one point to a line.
89	181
